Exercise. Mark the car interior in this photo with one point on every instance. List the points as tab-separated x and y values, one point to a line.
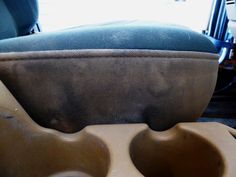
124	98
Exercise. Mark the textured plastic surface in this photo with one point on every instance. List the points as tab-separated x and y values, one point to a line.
188	149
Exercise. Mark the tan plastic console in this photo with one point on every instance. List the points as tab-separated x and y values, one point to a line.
131	150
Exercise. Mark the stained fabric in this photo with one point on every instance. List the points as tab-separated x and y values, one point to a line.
68	90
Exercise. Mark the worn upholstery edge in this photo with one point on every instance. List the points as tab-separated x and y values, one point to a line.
104	53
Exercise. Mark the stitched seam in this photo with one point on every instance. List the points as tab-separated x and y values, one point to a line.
74	58
104	54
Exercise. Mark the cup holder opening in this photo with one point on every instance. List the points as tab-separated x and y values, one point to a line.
83	155
175	154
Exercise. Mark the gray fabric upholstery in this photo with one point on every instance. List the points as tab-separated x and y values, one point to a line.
7	24
68	89
123	35
17	17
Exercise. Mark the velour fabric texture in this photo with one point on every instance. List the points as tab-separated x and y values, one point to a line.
120	35
7	24
17	17
68	90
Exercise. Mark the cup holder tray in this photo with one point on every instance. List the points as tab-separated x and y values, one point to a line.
125	150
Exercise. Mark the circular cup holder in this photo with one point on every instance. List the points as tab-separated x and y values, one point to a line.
175	153
50	155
